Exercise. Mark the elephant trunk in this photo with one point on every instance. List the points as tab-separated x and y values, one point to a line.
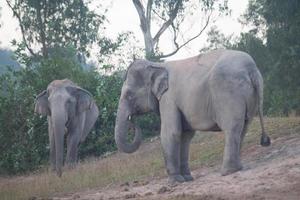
123	124
58	124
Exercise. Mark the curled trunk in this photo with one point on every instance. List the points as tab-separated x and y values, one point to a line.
121	131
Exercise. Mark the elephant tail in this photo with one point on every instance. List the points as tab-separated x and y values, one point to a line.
257	81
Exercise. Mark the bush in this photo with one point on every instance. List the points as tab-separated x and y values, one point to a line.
24	135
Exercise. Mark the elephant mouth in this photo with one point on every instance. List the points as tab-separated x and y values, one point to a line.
138	111
133	126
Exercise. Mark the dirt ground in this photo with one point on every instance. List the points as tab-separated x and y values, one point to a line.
269	173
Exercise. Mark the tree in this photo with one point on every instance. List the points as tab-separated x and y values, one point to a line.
24	134
278	21
170	14
217	40
50	23
54	32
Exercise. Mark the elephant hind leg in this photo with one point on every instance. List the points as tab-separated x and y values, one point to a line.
91	116
245	129
230	117
184	155
233	139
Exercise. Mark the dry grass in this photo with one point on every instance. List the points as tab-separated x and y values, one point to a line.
147	163
91	174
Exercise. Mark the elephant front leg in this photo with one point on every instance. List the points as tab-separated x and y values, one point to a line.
52	152
184	156
52	145
72	148
171	142
171	149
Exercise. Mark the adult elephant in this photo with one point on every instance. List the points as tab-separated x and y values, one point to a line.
70	110
216	91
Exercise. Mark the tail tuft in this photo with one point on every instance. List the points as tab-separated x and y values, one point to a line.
265	140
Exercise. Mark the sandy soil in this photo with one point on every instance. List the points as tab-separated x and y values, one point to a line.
269	173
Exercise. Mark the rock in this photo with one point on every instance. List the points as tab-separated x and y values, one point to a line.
148	193
163	189
145	183
124	184
76	196
139	183
131	195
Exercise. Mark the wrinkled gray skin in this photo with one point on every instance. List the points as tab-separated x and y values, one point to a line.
70	110
217	91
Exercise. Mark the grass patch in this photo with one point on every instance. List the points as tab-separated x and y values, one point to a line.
90	174
206	150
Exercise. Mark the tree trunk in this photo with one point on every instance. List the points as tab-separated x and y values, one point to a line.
42	31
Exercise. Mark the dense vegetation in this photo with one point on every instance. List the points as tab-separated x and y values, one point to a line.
272	41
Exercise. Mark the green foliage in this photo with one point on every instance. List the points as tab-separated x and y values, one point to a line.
101	140
280	22
25	135
58	35
57	23
22	137
7	60
216	40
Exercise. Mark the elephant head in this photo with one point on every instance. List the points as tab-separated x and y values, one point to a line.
144	84
61	102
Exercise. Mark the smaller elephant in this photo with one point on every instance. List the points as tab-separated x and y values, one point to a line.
70	110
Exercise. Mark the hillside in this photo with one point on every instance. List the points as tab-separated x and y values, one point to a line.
269	172
7	60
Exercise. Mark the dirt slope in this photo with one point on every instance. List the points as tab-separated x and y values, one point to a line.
269	173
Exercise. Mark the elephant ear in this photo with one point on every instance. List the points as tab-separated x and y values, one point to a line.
159	80
41	104
83	97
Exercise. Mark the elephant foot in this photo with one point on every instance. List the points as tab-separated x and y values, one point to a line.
229	170
188	177
174	179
